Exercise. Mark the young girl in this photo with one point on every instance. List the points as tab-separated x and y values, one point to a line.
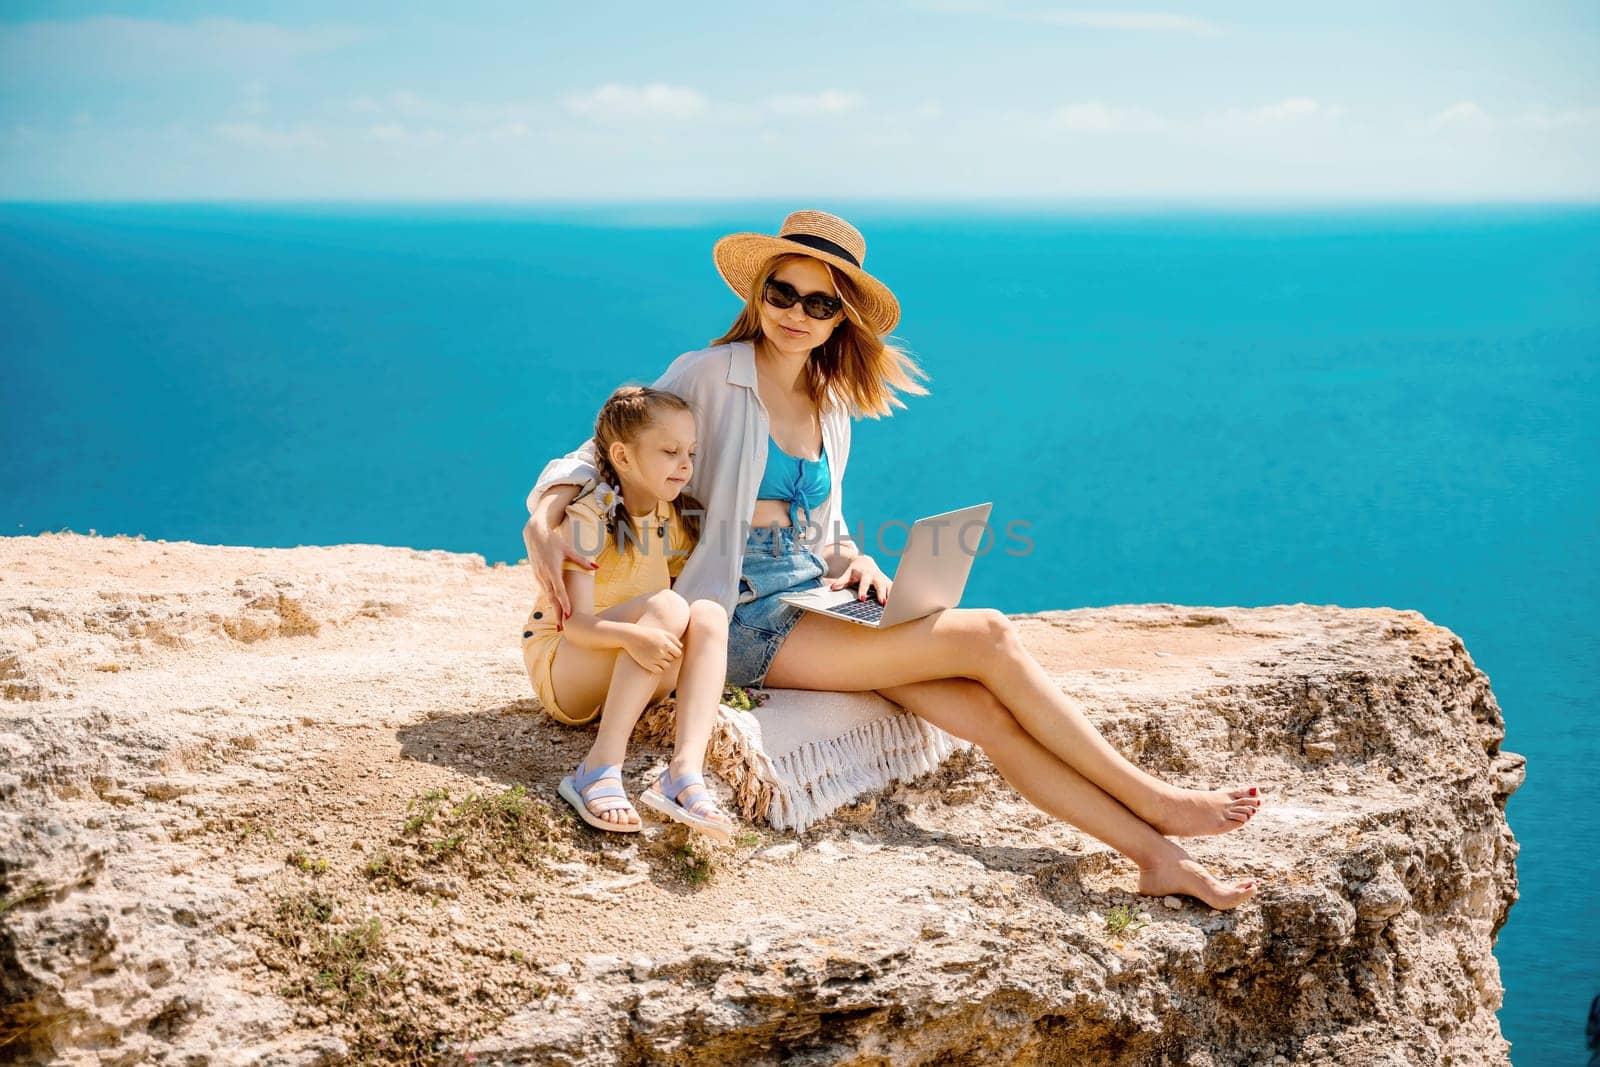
630	640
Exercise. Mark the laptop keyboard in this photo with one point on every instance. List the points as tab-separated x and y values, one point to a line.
869	610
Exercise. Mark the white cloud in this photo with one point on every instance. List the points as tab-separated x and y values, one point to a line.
414	105
299	135
114	47
1540	119
827	102
400	133
1095	117
1099	117
1468	115
628	102
411	106
1463	115
1297	109
1289	113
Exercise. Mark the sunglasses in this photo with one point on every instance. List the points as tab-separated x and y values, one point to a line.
817	305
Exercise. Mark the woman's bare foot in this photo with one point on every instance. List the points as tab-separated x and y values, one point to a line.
1199	812
1178	874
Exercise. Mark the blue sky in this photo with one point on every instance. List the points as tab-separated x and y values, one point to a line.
912	100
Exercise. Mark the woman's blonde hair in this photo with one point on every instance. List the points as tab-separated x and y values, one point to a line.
625	415
854	363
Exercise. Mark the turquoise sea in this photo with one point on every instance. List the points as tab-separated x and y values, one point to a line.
1358	406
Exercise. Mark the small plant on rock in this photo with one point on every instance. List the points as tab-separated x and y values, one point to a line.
696	862
502	828
745	698
308	863
1123	919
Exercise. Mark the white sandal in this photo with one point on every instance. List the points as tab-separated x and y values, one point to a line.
586	783
663	798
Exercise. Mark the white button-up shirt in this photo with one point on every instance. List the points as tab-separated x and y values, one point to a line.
732	435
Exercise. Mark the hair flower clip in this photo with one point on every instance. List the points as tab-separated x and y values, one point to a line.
606	497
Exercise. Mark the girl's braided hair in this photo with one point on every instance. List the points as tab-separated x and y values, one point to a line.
624	416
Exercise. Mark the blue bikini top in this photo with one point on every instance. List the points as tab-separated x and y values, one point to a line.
796	480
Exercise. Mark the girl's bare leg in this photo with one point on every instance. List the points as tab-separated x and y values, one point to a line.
967	709
701	672
628	688
703	669
982	644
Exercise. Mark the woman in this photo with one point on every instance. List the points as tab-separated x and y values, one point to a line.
774	397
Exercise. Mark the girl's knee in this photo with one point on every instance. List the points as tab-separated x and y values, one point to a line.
708	615
668	610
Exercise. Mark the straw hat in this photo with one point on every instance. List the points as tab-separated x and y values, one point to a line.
822	236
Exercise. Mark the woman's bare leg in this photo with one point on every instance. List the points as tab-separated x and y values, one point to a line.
967	709
982	644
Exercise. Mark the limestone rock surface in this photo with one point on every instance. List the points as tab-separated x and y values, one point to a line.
238	826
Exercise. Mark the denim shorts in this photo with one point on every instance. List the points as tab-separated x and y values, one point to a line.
776	561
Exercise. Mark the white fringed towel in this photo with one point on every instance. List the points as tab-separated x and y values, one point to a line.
803	754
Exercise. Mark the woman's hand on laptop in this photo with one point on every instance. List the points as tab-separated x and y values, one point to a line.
863	573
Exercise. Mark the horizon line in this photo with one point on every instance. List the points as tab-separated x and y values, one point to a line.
1030	200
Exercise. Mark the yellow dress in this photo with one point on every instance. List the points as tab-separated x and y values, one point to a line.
647	565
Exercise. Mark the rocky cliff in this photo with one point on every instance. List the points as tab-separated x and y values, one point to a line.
298	806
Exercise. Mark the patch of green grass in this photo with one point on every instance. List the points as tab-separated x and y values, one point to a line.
345	968
348	960
426	807
308	863
697	866
345	958
404	1041
381	867
501	828
747	839
296	913
745	698
1123	919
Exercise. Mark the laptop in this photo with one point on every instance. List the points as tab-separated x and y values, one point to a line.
931	576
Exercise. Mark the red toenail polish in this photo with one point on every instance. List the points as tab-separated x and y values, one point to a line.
1252	790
